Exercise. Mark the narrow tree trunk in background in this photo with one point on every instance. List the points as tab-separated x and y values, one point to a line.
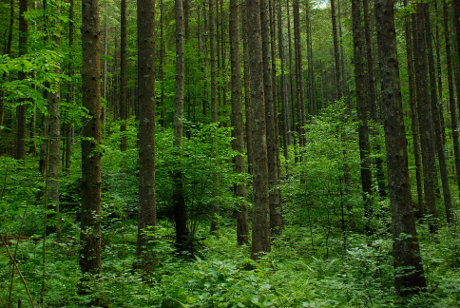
311	76
261	208
21	109
343	72
409	276
212	43
183	241
104	74
123	77
214	98
162	66
452	105
90	237
247	90
284	92
8	52
439	75
413	113
338	78
424	115
146	116
242	231
362	108
436	120
55	141
291	81
298	73
69	126
372	97
186	10
275	206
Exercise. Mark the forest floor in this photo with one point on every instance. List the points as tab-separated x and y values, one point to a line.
221	274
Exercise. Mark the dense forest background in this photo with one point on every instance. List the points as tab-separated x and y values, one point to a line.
229	153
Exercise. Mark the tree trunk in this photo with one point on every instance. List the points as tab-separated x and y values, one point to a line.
361	104
90	255
162	66
275	206
298	72
450	84
372	98
413	113
294	124
69	126
311	76
21	109
146	116
409	278
436	119
247	90
424	115
261	208
284	94
338	78
242	233
123	78
183	241
55	143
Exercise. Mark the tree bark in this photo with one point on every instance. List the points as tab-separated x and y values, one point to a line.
450	85
439	144
90	255
338	78
413	113
146	116
284	92
242	233
425	117
261	208
362	99
275	206
21	109
247	91
409	278
298	72
123	77
183	242
311	76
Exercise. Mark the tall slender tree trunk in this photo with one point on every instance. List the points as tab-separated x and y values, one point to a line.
261	207
284	92
424	114
247	90
123	77
214	97
275	211
8	52
69	126
372	98
146	116
183	242
361	103
450	85
439	75
55	141
413	113
311	76
21	109
439	144
90	255
298	72
338	78
409	276
162	66
242	233
294	123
